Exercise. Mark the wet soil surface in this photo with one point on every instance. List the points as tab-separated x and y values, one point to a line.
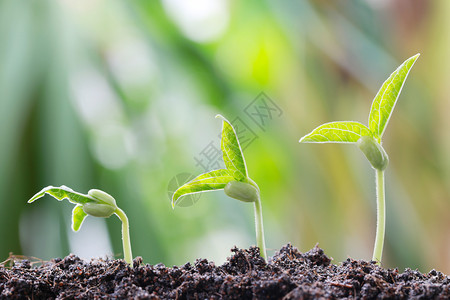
288	275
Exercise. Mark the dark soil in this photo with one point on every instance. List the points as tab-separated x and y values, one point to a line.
289	275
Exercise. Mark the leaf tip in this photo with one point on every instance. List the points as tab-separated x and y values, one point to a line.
307	138
219	116
414	57
34	198
40	194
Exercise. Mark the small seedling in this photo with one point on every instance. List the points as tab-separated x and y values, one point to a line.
233	180
368	139
96	203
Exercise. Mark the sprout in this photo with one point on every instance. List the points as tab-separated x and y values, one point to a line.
233	180
96	203
368	139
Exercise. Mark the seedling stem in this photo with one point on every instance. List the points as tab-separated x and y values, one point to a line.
260	228
381	217
125	235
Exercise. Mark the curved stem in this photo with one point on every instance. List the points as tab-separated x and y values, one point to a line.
259	228
125	236
381	218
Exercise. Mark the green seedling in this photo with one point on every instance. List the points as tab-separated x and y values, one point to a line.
233	180
96	203
368	139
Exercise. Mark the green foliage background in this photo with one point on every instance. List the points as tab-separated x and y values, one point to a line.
121	96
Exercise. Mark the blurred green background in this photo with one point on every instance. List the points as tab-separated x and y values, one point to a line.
121	96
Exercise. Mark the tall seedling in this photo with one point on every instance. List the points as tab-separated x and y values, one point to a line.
368	139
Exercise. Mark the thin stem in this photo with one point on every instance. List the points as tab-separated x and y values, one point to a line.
259	228
125	236
381	218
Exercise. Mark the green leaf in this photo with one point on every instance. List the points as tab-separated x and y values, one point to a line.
232	152
214	180
337	132
386	98
78	216
61	193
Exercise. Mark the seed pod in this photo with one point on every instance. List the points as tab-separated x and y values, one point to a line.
241	191
102	196
98	210
374	152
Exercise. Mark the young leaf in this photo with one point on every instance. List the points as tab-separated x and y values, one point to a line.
78	216
386	98
214	180
232	152
63	192
337	132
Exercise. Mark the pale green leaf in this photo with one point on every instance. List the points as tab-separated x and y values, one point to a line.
78	216
337	132
63	192
386	98
214	180
232	152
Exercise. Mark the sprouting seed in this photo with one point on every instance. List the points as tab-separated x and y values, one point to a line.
96	203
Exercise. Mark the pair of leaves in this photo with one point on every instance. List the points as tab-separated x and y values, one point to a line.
236	170
380	113
64	192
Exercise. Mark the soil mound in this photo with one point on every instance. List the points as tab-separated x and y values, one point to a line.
289	274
